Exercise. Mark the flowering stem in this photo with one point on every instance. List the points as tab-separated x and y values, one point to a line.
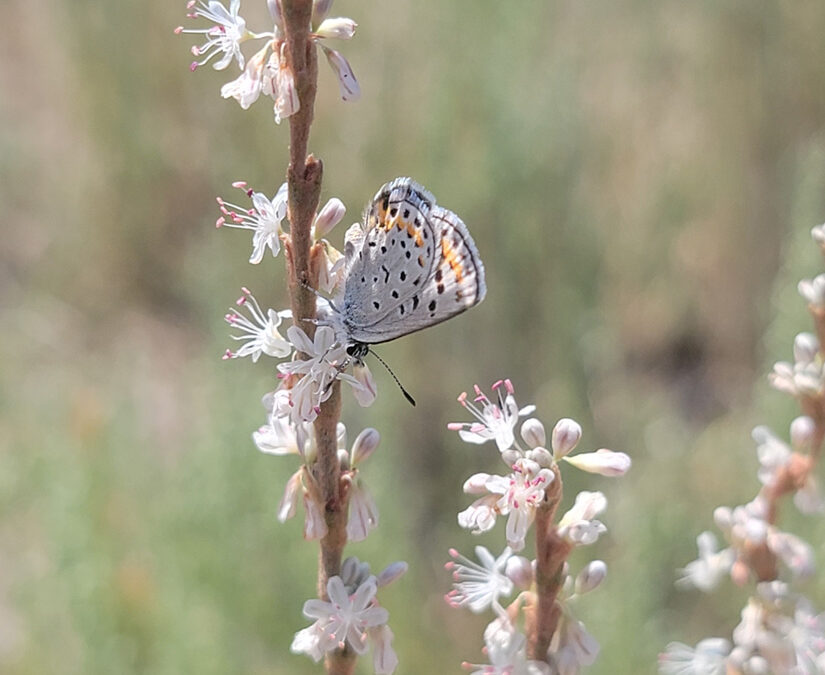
304	188
551	553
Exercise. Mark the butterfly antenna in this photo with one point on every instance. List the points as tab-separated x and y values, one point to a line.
397	381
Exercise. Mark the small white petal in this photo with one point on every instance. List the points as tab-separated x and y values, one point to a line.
603	462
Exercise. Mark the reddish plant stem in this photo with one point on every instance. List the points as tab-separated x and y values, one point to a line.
304	189
551	553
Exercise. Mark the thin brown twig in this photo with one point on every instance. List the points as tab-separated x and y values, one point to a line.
304	189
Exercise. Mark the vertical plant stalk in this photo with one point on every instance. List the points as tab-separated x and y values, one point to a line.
795	473
304	189
551	554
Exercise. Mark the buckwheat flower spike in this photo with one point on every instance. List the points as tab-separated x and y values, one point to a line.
478	585
225	37
496	421
259	330
264	219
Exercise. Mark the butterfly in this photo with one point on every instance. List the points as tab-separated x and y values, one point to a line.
409	265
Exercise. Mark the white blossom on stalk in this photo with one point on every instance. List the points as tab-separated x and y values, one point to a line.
517	496
705	572
264	219
579	525
324	363
259	331
478	585
707	658
225	37
495	421
279	436
348	618
507	651
571	646
803	377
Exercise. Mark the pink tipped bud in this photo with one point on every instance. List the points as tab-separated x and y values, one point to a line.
591	577
240	184
532	431
364	445
193	66
566	435
329	217
220	222
455	426
178	30
227	355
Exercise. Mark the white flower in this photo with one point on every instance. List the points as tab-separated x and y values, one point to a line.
259	331
280	436
578	525
318	371
264	219
496	421
797	555
745	525
604	462
572	646
225	37
478	586
705	572
707	658
247	87
345	619
519	495
506	648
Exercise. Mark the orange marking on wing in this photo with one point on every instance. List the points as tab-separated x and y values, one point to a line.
448	253
419	242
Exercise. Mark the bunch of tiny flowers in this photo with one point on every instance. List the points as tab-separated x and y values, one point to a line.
268	70
306	382
779	632
537	632
352	617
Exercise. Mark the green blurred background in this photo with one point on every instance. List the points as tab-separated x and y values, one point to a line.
640	179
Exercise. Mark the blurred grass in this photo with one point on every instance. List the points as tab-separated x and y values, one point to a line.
634	174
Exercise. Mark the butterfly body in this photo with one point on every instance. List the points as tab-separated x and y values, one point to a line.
411	264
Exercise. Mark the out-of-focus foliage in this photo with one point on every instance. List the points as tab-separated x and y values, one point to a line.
631	172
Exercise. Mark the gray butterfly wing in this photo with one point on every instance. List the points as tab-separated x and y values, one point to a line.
391	255
410	293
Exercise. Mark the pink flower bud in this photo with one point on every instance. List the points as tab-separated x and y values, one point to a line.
532	431
519	570
364	445
591	577
329	217
604	462
566	435
339	28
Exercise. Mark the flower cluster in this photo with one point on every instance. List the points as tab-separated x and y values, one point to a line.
306	382
268	71
531	485
779	631
351	617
